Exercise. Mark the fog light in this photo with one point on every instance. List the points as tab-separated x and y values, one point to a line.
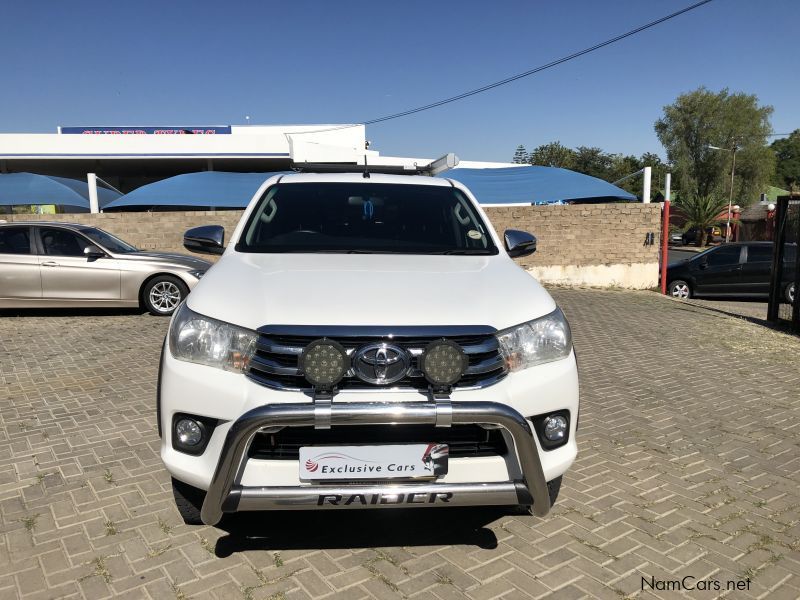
324	363
555	428
189	432
443	362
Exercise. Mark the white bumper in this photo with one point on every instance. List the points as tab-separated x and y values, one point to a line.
200	390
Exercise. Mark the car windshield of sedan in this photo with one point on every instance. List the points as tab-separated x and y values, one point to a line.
365	218
108	241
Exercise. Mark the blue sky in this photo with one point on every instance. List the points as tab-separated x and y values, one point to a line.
212	63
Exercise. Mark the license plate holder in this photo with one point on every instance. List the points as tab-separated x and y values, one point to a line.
373	462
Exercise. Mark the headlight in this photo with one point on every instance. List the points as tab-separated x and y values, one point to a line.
540	341
198	273
198	339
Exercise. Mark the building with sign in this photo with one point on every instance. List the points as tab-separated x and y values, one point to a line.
129	157
126	158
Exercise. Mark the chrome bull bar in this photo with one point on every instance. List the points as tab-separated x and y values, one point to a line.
225	495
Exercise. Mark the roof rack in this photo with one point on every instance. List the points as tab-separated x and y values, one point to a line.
444	163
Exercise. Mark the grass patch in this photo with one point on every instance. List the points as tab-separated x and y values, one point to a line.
165	527
594	547
157	551
111	528
277	560
443	579
30	522
108	476
263	580
207	546
373	570
179	593
100	569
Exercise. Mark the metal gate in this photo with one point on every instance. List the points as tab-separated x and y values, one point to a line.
785	278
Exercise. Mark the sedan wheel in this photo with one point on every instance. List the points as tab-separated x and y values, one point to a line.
162	295
680	289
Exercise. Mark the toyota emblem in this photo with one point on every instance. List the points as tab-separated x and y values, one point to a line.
381	364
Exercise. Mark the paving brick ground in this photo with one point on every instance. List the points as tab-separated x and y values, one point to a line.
689	466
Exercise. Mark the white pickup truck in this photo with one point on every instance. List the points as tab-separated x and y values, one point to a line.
365	342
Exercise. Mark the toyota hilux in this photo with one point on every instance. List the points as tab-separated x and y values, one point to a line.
365	341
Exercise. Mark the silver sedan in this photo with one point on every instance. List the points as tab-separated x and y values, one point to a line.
65	264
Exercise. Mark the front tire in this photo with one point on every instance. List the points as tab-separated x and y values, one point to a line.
189	501
679	289
162	295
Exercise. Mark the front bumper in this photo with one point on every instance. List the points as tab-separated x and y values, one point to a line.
226	495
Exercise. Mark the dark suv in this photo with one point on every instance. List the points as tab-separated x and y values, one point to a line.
713	235
738	269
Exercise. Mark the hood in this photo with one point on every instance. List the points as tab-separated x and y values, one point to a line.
171	259
678	263
252	290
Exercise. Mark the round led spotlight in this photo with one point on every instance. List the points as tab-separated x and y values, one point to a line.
555	428
443	362
189	432
324	362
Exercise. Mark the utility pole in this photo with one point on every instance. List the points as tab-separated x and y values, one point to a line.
732	150
665	232
730	197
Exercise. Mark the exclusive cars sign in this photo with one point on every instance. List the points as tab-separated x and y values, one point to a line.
404	461
146	130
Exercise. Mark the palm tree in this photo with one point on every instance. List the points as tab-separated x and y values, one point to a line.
701	211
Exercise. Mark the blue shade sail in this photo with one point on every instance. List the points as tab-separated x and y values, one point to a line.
535	185
215	189
20	189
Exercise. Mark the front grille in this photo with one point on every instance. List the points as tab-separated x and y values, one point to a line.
278	350
463	440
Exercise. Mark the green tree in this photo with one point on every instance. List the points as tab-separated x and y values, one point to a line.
702	118
553	154
787	155
701	211
592	161
520	155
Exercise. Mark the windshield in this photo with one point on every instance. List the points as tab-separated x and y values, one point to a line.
365	218
108	241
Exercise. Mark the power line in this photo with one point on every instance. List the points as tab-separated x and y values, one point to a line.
528	73
540	68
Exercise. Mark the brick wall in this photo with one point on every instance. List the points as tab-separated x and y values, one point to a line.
601	234
601	244
146	230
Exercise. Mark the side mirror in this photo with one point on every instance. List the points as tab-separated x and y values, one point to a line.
519	243
92	252
208	239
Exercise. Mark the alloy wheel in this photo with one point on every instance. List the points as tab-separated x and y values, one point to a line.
165	296
680	290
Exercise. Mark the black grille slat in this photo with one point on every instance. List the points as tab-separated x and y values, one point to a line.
487	365
273	367
275	363
269	346
463	440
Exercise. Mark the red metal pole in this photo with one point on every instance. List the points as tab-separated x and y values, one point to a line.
664	246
